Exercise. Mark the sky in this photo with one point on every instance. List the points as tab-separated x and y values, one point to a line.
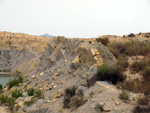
75	18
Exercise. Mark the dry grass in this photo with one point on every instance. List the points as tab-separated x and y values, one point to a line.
132	48
73	99
143	105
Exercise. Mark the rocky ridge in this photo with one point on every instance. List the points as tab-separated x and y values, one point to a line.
59	64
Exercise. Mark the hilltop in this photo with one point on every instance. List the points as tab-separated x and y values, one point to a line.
47	36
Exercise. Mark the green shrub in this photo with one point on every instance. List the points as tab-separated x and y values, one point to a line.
1	86
131	35
104	41
69	97
11	101
15	82
31	92
66	102
73	99
3	99
38	93
69	93
20	79
124	96
90	42
28	103
16	93
112	74
99	108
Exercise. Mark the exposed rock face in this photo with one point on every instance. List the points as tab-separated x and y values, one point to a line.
11	59
72	55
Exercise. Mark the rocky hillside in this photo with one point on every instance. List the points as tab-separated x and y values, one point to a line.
19	41
51	66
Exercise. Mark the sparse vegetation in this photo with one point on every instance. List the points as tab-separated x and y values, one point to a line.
132	48
122	51
73	100
124	96
11	101
69	93
31	92
16	93
138	66
38	93
4	99
137	86
15	82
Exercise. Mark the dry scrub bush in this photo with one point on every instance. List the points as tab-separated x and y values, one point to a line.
104	41
73	100
111	74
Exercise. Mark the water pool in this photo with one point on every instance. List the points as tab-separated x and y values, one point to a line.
4	79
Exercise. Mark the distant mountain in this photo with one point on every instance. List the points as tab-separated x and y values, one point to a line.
47	36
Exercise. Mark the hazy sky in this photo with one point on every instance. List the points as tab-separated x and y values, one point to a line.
75	18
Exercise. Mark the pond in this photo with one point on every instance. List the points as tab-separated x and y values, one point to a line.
4	79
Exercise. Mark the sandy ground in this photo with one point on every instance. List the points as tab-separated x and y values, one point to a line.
4	109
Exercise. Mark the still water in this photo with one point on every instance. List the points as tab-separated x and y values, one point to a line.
4	79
